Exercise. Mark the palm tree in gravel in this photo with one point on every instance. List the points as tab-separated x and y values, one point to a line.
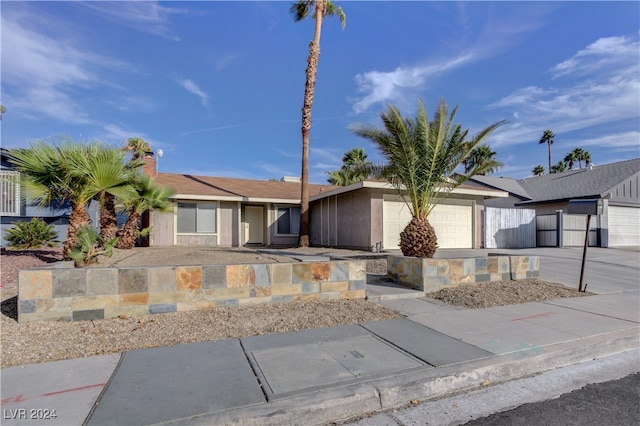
547	137
148	196
67	172
538	170
422	157
300	10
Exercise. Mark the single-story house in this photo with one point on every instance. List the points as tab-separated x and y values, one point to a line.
370	215
617	184
228	212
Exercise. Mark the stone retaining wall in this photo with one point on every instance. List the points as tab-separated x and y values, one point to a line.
430	275
70	294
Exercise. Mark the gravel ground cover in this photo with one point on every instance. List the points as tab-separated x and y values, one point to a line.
49	341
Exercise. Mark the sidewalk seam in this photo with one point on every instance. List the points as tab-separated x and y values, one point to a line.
104	389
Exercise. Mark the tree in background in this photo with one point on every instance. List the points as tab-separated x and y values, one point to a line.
547	137
538	170
570	159
2	111
481	155
300	10
582	155
355	168
559	167
422	157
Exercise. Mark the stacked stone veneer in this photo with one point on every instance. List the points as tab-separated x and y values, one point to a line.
430	275
70	294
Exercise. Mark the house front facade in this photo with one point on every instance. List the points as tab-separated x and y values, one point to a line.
228	212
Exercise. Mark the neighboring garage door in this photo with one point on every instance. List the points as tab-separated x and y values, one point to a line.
624	226
453	223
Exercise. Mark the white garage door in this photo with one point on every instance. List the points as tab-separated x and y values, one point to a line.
453	223
624	226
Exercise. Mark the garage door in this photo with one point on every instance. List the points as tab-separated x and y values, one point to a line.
453	223
624	226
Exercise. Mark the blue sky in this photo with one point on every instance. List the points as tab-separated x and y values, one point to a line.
218	86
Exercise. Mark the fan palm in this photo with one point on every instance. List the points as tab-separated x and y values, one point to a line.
547	137
300	10
148	196
422	157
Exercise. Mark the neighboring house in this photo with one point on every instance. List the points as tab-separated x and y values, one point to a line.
14	207
617	184
217	211
370	215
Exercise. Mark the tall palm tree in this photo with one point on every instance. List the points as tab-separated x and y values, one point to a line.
582	155
559	167
538	170
149	196
301	10
570	159
586	157
547	137
480	155
422	157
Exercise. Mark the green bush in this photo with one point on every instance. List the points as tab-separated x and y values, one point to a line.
33	234
89	246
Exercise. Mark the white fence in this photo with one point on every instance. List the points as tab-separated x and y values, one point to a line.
510	228
572	229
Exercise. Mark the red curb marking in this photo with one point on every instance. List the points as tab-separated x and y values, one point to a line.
545	315
74	389
18	398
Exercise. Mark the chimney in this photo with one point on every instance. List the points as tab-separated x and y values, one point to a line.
149	166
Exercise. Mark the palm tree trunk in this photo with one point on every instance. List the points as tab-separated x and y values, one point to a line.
312	68
549	149
108	218
77	219
129	232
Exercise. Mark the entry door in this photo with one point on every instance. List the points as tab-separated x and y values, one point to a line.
255	221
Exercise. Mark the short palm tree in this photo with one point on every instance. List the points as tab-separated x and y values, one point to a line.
582	155
148	196
482	154
547	137
538	170
422	157
50	175
300	10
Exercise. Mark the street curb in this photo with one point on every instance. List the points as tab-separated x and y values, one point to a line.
345	402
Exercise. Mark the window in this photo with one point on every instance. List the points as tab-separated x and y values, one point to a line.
288	221
9	193
197	218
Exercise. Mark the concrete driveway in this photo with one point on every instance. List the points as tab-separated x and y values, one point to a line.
607	270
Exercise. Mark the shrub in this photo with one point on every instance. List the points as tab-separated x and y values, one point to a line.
89	246
33	234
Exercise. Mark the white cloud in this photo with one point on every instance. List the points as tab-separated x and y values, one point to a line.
603	53
42	75
609	95
226	60
379	87
190	86
144	16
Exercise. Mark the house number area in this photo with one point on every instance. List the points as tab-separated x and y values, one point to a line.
28	414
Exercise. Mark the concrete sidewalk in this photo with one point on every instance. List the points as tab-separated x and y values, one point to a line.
328	374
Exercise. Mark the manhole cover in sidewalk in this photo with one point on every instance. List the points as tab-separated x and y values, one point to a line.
312	365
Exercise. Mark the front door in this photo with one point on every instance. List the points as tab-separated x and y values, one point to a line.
254	220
